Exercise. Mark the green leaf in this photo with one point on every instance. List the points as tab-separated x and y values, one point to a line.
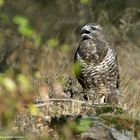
84	2
52	42
21	21
82	125
26	31
77	68
23	26
37	39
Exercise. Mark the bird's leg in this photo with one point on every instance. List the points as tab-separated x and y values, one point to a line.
85	97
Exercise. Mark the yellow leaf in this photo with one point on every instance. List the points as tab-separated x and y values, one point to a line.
65	48
9	84
33	109
24	82
1	3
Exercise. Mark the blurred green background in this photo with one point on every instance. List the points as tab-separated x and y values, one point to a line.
38	39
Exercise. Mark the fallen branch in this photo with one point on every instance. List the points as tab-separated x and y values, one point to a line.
42	103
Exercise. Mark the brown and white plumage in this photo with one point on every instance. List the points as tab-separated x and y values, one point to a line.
98	72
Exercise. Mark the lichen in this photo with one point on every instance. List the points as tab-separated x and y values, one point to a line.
122	122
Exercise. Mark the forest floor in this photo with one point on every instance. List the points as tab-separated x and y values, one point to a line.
65	115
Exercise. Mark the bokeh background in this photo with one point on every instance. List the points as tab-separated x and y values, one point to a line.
38	39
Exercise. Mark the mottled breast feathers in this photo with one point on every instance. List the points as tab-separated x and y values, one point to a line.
98	72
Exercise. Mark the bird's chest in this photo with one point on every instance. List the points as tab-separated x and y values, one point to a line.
96	75
88	52
92	75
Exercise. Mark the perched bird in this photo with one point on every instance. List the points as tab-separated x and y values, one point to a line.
96	65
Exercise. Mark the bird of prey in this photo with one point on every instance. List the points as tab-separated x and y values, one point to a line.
96	65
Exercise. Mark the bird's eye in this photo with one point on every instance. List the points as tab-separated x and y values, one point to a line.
93	28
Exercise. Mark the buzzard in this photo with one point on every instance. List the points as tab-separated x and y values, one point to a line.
96	65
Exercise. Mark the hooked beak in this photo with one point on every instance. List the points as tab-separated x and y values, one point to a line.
86	30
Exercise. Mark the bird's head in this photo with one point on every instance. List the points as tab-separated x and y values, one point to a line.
92	31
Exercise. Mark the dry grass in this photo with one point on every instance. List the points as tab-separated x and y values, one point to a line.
129	61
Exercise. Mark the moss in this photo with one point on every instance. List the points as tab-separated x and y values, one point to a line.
137	129
121	122
108	109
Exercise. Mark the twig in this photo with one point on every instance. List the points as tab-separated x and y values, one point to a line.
45	102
